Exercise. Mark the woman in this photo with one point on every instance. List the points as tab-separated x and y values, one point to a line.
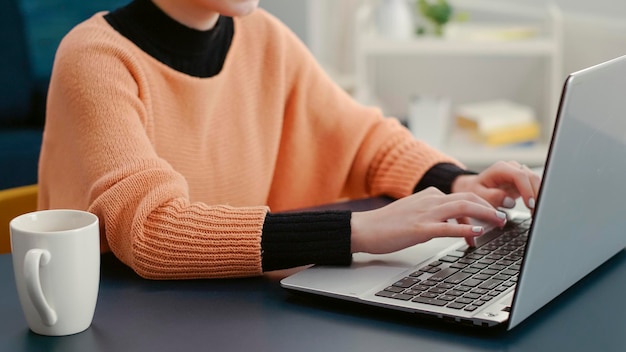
188	126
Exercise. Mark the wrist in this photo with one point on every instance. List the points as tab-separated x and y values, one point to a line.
355	233
460	183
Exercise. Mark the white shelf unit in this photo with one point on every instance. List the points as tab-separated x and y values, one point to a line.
388	72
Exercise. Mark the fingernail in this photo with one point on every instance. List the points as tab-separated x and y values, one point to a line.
531	203
501	214
508	202
477	229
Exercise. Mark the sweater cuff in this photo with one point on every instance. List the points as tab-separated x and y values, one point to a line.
294	239
441	176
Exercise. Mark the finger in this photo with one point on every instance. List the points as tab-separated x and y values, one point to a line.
467	209
500	197
466	196
521	178
535	180
446	229
464	220
532	182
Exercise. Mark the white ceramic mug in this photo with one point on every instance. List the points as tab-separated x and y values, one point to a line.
56	262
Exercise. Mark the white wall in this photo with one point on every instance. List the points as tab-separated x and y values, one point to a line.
594	30
614	9
292	12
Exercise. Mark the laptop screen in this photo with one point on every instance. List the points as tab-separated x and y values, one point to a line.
579	221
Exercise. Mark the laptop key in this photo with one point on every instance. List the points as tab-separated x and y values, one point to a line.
389	294
394	289
420	287
489	271
481	277
428	283
406	282
470	270
509	272
446	298
455	293
455	305
402	297
480	291
449	259
471	295
437	290
433	270
457	278
496	267
458	266
431	301
490	284
440	276
466	261
464	300
411	292
472	282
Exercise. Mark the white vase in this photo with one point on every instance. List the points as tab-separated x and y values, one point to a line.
395	19
428	119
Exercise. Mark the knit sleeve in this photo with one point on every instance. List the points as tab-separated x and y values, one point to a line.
441	176
371	153
301	238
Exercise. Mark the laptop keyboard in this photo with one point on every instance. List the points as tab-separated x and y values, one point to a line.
467	279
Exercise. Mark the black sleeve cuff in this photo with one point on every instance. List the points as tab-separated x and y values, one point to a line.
441	176
295	239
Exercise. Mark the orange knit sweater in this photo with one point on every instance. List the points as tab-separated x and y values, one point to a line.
182	170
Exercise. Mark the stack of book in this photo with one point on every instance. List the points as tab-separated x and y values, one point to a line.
498	122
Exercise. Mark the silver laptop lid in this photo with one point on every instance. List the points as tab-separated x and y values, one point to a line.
580	219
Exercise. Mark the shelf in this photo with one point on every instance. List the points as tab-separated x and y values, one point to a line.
506	53
377	45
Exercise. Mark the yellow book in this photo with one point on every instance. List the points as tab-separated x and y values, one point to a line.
510	135
489	116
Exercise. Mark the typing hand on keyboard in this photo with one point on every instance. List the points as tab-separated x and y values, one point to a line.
467	278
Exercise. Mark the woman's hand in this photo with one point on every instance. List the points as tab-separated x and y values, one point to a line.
419	218
501	184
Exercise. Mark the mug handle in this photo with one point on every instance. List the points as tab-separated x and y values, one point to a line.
32	261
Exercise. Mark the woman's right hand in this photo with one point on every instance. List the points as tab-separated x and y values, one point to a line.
419	218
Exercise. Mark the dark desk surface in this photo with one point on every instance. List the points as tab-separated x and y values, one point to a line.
258	315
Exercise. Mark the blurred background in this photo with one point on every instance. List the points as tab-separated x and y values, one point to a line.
478	78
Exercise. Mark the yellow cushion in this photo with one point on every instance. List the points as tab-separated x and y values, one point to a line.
14	202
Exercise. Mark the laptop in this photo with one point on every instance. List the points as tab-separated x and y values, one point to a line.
578	224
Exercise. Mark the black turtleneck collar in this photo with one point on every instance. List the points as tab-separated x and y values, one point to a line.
196	53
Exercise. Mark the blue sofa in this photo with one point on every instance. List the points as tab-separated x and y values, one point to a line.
21	104
30	31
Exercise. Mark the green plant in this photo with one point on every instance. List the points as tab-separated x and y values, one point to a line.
437	13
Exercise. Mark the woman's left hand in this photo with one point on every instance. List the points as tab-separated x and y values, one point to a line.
501	184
